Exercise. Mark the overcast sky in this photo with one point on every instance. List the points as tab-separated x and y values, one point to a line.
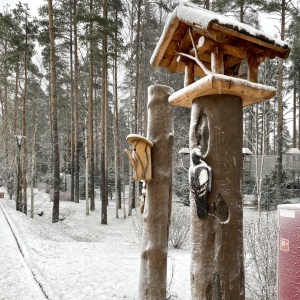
32	4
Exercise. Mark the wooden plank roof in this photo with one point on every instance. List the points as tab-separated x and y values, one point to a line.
236	40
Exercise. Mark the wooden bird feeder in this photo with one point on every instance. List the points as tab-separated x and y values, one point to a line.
140	157
204	44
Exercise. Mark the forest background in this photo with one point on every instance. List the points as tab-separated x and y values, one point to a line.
74	121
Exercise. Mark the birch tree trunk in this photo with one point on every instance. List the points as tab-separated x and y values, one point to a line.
158	203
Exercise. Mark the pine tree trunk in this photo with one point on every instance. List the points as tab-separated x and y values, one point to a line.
72	103
103	185
33	155
116	126
5	114
280	112
76	99
294	115
87	160
24	146
91	120
56	179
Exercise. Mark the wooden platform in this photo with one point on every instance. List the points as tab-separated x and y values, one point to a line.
250	92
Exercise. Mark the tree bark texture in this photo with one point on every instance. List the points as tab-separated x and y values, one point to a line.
217	270
24	127
91	118
103	155
56	177
157	209
76	108
72	102
280	111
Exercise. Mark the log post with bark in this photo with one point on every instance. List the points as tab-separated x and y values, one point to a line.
158	201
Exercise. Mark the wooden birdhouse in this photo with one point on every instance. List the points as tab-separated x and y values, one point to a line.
210	49
201	43
140	157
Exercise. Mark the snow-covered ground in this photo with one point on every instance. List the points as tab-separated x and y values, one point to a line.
78	258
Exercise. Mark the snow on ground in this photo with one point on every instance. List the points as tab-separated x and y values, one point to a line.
13	269
78	258
81	259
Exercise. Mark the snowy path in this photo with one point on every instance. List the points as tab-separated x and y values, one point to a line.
16	279
80	259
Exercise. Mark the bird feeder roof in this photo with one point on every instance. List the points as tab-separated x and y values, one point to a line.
293	151
131	138
239	41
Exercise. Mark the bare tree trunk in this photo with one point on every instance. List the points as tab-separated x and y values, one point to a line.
72	102
157	209
280	111
116	128
137	89
56	179
217	270
294	115
87	160
5	114
76	99
24	113
33	171
91	120
103	185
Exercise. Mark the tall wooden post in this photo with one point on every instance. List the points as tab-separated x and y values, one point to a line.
217	270
157	207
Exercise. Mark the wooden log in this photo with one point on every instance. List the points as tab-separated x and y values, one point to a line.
182	61
217	270
184	44
189	75
215	35
281	52
217	64
157	207
253	64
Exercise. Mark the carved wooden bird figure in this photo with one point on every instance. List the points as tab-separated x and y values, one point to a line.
200	180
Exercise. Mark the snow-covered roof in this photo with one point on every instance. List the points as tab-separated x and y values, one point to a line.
293	151
246	151
221	29
184	151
